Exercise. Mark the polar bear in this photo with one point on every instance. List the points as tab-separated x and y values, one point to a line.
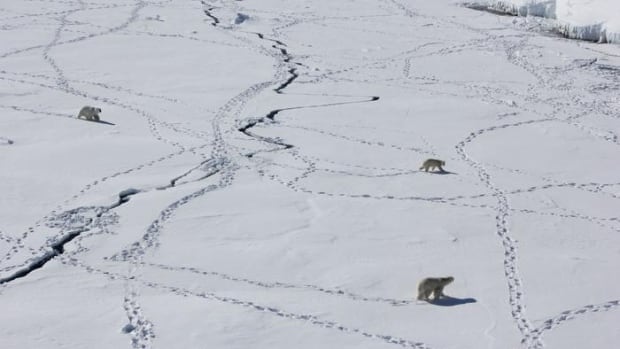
433	163
89	113
434	286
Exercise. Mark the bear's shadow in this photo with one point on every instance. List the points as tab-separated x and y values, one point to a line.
444	172
102	122
447	301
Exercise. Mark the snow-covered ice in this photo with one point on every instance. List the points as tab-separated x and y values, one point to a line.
255	182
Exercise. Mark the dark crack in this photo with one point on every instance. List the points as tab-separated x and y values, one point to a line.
288	81
207	11
293	75
57	247
261	36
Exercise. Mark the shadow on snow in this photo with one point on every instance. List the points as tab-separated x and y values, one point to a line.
448	301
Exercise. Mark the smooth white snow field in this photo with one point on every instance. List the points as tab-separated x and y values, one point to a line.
254	180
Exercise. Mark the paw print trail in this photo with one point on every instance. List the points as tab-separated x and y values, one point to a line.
90	186
62	85
136	251
61	80
284	285
141	329
145	335
221	164
515	291
71	224
573	314
311	319
18	244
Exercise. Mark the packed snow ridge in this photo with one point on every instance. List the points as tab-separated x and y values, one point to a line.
591	20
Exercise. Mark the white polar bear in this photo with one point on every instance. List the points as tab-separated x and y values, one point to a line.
89	113
433	286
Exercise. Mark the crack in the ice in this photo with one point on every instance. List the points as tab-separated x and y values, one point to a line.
207	11
57	248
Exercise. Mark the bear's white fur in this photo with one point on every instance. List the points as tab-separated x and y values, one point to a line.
89	113
434	286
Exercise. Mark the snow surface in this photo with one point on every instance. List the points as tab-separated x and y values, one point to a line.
593	20
257	184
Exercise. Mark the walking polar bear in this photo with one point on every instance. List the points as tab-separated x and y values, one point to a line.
432	164
434	286
89	113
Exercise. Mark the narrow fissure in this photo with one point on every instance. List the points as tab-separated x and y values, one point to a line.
58	247
292	78
272	114
261	36
207	12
